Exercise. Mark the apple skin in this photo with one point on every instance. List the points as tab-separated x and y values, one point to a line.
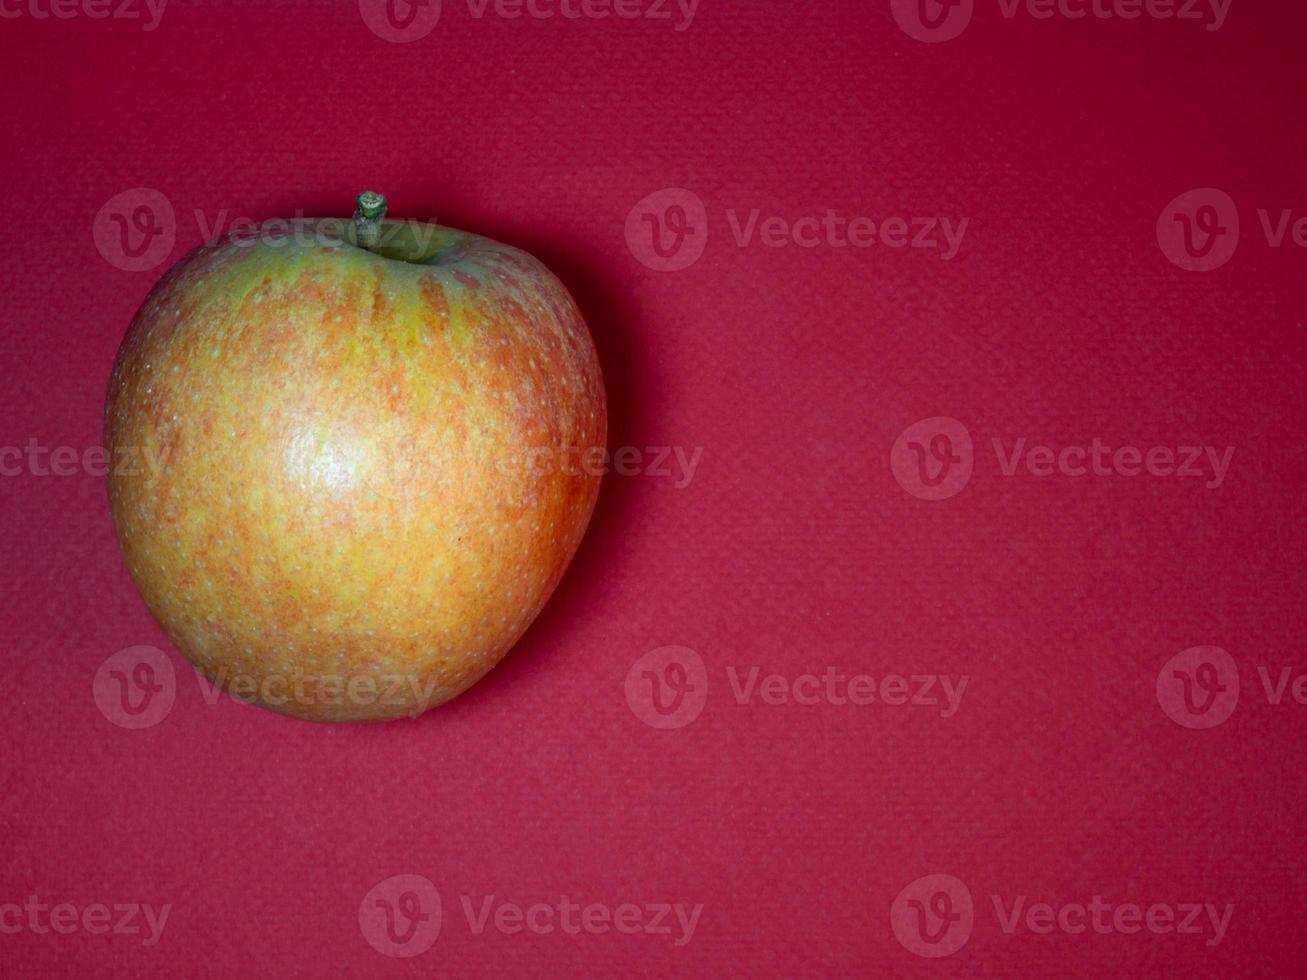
352	479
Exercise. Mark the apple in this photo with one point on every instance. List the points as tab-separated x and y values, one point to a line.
360	456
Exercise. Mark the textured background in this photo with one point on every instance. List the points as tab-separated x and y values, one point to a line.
799	544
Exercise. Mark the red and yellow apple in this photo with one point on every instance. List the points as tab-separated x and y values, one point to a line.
367	457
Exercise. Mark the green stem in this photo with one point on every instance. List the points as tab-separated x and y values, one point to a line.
369	209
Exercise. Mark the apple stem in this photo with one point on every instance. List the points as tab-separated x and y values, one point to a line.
369	209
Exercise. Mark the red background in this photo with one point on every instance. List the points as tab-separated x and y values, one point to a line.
792	549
